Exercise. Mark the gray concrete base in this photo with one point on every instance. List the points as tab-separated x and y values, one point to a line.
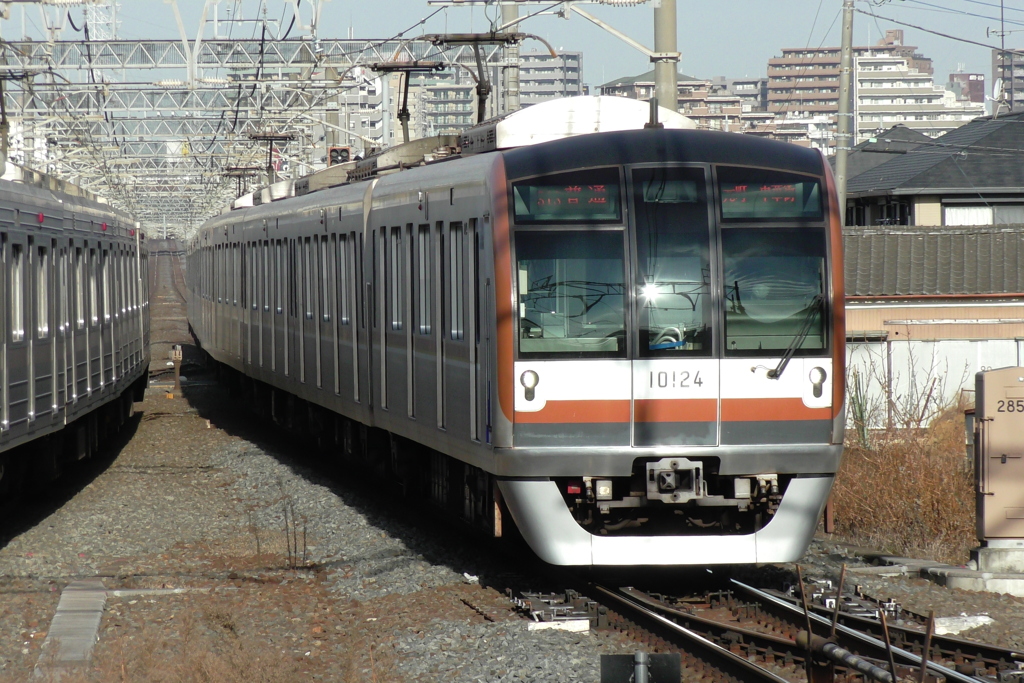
993	558
75	627
947	575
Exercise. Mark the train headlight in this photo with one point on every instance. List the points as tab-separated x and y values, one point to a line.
817	377
529	380
603	489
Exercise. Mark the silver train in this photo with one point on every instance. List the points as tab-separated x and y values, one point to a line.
74	333
631	343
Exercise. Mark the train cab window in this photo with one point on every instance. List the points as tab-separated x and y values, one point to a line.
17	293
754	194
571	293
673	277
585	196
42	293
774	290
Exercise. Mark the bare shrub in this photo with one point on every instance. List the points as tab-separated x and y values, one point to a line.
909	492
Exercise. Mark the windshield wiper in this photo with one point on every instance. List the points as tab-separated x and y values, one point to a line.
805	329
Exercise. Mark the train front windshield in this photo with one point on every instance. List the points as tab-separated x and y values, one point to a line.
765	263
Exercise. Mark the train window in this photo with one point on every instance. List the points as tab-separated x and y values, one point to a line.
42	293
325	281
456	279
585	196
79	289
755	194
105	268
396	284
267	281
423	277
774	292
673	277
17	293
571	288
307	279
94	299
346	278
292	264
62	293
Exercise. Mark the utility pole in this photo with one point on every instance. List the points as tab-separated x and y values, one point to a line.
666	57
509	14
845	123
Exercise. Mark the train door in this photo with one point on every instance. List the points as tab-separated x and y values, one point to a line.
423	371
675	371
457	390
347	320
17	356
279	348
327	320
309	331
394	394
45	345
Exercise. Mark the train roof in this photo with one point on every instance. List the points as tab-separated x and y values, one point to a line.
660	146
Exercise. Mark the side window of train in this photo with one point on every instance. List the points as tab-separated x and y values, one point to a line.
456	279
42	292
105	263
17	292
396	278
325	281
346	279
423	278
308	275
278	285
268	283
94	300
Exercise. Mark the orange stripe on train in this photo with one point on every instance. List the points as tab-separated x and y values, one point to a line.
770	409
675	410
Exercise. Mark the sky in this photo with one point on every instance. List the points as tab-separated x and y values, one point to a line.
733	38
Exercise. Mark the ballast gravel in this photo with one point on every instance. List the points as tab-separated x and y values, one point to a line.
231	556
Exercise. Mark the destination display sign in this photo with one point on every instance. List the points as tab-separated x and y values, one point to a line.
767	198
580	197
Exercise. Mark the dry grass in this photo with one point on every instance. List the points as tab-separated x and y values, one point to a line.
911	493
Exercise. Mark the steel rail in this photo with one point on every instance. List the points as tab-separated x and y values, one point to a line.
711	653
952	645
851	639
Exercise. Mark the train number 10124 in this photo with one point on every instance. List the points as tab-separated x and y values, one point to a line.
1010	406
676	380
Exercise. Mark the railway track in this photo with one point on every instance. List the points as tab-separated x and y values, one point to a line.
742	633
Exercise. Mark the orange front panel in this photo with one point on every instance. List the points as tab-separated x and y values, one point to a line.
675	410
503	294
770	409
567	412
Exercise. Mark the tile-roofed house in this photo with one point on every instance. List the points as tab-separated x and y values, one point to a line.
882	148
926	308
973	175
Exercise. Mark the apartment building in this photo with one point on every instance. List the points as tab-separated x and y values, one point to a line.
804	81
545	77
1009	68
890	91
